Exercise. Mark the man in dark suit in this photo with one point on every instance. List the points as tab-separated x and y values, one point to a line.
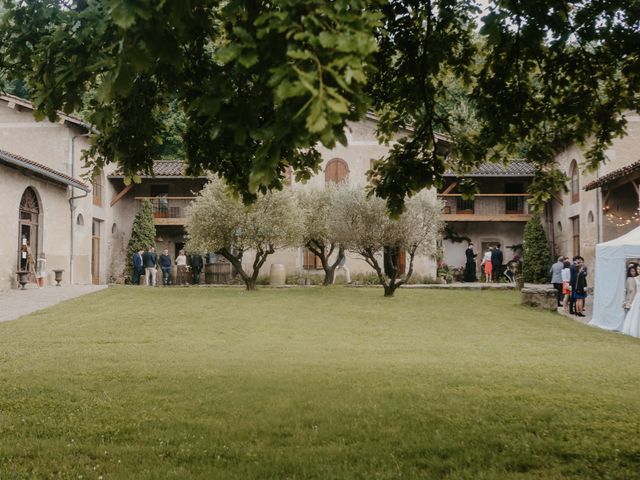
196	268
137	267
496	263
150	260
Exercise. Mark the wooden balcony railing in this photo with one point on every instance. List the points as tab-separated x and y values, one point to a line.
509	207
167	210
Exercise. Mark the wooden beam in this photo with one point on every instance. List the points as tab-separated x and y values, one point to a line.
522	195
471	217
119	196
557	198
169	221
450	187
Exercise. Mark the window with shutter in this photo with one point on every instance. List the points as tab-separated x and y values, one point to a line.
395	258
310	261
574	174
97	189
336	171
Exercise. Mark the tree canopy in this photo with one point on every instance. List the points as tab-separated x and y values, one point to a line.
260	84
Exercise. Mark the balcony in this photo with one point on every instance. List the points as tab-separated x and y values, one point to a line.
167	210
486	207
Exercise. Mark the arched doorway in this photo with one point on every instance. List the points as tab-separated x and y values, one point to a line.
28	231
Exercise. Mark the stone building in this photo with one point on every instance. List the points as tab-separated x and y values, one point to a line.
170	191
599	205
496	215
47	205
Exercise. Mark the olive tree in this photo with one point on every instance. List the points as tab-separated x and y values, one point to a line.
218	221
361	223
317	208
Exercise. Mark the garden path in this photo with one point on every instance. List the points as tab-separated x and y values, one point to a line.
16	303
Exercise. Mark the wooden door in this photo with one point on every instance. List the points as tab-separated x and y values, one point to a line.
95	252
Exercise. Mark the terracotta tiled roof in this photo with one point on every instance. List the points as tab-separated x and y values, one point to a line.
515	168
168	168
18	161
63	116
161	168
615	175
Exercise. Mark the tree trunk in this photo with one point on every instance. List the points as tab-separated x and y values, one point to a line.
387	283
328	276
236	261
320	250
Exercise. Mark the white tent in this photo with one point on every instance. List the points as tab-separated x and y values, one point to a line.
610	273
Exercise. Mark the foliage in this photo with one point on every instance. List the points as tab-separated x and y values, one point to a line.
537	255
143	233
260	84
362	225
317	205
217	221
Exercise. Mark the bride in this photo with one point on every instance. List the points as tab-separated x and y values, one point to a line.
631	324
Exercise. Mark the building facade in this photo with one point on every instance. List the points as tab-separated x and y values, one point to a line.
48	206
496	215
600	205
170	191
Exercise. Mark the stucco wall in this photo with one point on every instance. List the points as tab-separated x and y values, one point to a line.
51	144
504	233
595	227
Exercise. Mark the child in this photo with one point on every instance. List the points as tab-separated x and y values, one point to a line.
566	286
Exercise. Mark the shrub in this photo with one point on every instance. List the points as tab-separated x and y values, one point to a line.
537	255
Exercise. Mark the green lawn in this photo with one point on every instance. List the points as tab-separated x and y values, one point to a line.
317	383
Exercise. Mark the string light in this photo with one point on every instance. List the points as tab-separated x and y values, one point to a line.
619	221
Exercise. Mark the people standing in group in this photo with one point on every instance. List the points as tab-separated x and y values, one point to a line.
196	268
556	278
181	265
470	265
565	277
487	265
496	263
577	266
138	267
150	267
165	266
579	291
631	325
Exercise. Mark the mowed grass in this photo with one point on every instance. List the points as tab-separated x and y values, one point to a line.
319	383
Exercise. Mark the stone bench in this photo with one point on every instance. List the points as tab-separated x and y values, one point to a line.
543	296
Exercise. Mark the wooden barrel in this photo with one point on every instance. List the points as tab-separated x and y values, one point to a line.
217	273
208	273
277	274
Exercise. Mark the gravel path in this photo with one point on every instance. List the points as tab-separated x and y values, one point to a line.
16	303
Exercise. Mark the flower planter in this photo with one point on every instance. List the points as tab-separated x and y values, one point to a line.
22	278
58	278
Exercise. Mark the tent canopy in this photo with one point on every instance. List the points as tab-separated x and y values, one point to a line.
610	270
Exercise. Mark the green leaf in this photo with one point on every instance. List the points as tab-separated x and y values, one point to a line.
123	15
337	106
248	58
228	53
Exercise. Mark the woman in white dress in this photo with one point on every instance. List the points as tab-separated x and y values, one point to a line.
631	324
